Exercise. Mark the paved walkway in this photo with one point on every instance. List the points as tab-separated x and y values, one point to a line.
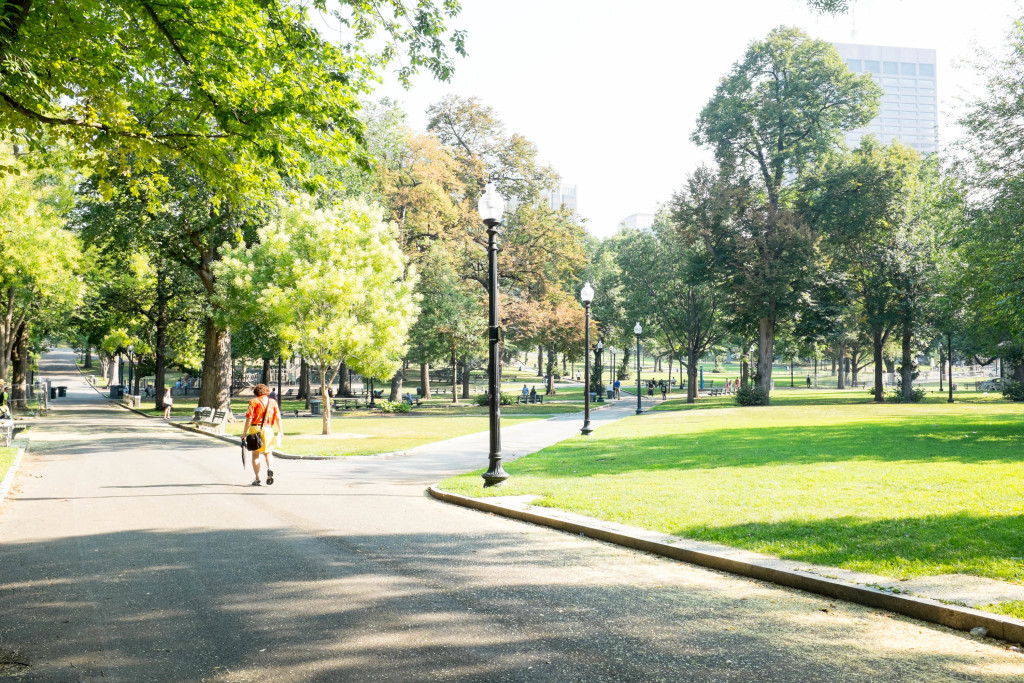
132	551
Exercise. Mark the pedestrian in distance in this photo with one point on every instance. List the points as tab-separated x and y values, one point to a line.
262	419
526	392
808	381
664	391
617	387
168	402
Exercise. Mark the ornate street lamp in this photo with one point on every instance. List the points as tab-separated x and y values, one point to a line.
637	330
587	297
600	374
131	358
491	207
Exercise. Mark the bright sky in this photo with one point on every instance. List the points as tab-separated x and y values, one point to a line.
610	91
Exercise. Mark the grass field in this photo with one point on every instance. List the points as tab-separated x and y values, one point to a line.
369	434
7	455
822	477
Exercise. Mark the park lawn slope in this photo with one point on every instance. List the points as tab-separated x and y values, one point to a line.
7	456
376	433
899	490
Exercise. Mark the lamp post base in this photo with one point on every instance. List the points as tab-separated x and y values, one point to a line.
639	412
495	474
586	431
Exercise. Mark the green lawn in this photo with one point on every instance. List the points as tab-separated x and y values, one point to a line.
369	434
7	455
822	477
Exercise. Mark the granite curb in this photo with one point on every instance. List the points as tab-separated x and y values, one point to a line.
924	609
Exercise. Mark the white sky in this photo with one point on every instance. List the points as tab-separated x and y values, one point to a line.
610	91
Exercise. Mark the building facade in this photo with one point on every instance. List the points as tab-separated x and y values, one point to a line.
909	109
562	196
637	220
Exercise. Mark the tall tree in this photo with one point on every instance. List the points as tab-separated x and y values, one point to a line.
331	281
780	108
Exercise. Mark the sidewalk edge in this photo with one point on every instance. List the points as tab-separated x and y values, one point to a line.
5	485
925	609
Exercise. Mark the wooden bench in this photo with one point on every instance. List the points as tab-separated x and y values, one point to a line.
347	404
412	401
535	398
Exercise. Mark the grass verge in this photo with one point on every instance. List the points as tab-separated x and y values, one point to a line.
7	456
1014	608
898	490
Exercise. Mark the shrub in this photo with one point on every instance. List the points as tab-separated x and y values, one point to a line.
916	395
386	406
506	399
1013	391
751	396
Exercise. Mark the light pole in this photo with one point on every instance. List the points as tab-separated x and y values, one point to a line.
600	371
280	360
131	357
587	297
491	207
637	330
611	369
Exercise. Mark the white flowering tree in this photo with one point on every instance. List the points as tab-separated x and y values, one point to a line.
332	282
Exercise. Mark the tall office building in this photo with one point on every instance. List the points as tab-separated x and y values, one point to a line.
563	195
909	108
635	221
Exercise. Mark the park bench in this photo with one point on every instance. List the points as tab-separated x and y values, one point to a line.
6	431
207	419
347	404
535	398
412	401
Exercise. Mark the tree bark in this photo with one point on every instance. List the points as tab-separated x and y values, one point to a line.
540	360
19	369
325	402
87	364
396	384
465	377
160	369
907	371
265	373
765	354
345	380
550	390
877	342
425	379
691	375
304	391
455	379
113	367
216	383
841	362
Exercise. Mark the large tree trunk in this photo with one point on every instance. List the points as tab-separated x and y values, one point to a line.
216	382
854	364
877	343
765	353
19	369
907	371
425	380
304	382
87	364
396	384
113	368
890	365
949	361
265	373
550	390
465	377
540	360
345	380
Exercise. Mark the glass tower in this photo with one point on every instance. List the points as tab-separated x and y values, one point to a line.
909	108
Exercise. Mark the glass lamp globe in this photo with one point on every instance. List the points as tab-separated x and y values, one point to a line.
491	205
637	329
587	293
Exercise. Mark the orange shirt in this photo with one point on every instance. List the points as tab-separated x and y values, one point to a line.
256	408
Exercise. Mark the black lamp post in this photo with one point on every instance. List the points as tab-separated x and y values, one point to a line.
586	296
491	207
280	360
600	371
131	358
637	330
611	368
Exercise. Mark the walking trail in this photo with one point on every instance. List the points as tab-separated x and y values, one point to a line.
133	551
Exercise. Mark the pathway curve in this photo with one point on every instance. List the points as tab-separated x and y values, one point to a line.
132	551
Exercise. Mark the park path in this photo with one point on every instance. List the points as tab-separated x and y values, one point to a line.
132	551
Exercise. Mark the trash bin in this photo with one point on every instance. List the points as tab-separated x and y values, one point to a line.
116	391
593	395
610	392
53	393
62	392
314	406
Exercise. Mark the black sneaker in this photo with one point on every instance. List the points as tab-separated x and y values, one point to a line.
270	477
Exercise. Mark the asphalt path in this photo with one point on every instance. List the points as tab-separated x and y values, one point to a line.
133	551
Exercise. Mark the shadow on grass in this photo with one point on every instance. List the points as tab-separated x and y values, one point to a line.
970	439
804	397
985	545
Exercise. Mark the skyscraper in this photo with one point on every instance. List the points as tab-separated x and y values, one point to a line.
563	195
909	108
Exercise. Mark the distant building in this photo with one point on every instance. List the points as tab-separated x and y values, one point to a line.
563	195
909	108
637	220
